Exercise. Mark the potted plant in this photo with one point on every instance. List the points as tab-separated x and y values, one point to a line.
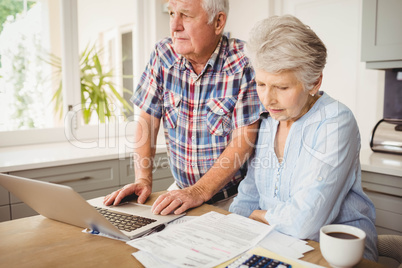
98	91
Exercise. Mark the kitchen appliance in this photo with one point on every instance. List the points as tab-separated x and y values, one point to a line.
387	137
387	133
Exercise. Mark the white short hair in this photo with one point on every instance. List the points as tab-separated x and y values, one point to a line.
213	7
284	43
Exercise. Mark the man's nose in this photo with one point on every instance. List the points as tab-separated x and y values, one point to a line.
176	23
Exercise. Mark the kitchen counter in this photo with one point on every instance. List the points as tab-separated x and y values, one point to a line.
383	163
18	158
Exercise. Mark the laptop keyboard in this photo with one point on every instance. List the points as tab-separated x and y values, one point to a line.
123	221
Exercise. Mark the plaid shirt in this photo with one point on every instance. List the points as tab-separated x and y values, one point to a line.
199	111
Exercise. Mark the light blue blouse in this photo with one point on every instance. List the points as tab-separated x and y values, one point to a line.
318	181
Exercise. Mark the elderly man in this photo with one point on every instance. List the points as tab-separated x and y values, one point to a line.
202	85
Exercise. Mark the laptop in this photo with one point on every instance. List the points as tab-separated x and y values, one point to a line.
62	203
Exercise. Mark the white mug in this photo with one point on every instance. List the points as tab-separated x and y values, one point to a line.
342	245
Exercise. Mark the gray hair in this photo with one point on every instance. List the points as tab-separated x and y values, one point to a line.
213	7
284	43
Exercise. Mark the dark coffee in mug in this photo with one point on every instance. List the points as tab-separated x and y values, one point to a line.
342	235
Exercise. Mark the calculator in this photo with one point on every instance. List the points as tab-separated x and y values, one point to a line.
251	260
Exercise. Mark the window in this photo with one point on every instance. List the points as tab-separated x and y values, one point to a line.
28	81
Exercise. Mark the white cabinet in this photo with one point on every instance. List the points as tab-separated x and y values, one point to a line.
162	176
4	197
4	205
81	177
5	214
386	193
381	34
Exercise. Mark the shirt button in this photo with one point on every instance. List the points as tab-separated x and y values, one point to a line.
221	110
319	179
194	110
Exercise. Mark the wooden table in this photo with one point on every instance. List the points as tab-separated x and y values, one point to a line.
40	242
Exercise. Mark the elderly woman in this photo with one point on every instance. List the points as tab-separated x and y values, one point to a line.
306	171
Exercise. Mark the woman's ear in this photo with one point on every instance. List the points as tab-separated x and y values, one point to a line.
220	22
317	86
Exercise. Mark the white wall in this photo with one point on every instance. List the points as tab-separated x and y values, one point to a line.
162	20
96	16
243	15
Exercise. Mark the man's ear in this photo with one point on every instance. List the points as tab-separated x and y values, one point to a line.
220	22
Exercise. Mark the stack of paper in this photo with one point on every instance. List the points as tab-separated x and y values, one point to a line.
205	241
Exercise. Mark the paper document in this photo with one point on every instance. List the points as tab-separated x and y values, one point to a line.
206	241
285	245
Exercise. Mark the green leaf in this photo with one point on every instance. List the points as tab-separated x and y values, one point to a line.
97	64
87	115
101	111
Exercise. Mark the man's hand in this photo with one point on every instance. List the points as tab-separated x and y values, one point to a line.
142	188
178	201
259	215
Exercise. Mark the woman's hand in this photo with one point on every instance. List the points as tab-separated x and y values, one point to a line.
259	215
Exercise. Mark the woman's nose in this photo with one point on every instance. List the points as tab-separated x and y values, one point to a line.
270	97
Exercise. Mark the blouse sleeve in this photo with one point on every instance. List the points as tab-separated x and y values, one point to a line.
247	199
